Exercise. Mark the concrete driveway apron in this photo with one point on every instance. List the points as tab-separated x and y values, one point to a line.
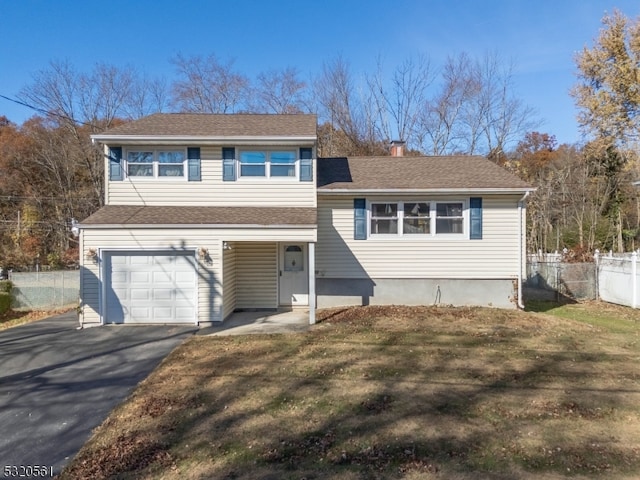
58	383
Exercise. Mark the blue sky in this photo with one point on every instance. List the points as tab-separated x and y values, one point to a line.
541	38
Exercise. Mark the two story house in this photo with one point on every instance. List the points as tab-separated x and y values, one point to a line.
208	214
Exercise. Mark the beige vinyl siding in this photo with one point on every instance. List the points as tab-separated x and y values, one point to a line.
229	280
89	288
211	190
497	255
209	269
268	234
256	275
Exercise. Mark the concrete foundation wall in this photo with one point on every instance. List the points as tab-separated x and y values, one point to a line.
335	292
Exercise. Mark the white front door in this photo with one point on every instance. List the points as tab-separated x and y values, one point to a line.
294	278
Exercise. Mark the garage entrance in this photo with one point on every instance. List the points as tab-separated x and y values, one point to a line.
150	287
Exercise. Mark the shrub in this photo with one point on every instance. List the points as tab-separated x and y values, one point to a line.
6	286
5	302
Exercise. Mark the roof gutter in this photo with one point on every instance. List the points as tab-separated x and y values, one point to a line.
195	225
203	139
409	191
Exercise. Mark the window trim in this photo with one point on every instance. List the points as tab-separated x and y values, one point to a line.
433	234
397	217
418	217
155	163
267	165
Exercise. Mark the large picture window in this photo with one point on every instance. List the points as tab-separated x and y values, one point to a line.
417	218
156	163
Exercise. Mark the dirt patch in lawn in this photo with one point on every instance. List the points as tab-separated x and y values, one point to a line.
386	392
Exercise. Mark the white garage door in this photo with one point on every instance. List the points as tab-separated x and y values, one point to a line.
150	287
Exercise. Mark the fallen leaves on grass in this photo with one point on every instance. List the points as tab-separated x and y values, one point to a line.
131	452
384	392
13	318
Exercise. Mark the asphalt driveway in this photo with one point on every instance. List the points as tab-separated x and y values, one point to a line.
57	383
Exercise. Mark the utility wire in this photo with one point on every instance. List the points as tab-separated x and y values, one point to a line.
47	112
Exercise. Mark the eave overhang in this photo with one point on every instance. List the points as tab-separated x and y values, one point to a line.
427	191
202	140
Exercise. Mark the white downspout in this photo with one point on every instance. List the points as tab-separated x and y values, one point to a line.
521	248
312	282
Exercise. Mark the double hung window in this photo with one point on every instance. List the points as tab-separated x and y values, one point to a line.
268	163
384	218
449	218
140	164
416	218
253	164
156	163
283	164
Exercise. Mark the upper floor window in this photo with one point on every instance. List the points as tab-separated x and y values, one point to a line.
156	163
254	163
283	164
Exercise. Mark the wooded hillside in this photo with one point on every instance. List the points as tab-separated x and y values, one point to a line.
50	173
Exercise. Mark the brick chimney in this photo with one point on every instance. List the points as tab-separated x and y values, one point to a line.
397	148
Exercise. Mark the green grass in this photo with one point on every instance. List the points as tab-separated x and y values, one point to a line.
612	318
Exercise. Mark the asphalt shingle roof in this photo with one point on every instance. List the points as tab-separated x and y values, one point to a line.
415	173
198	215
218	125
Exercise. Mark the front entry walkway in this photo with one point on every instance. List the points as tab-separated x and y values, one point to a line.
265	322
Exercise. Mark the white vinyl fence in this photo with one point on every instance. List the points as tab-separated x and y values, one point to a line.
618	278
613	278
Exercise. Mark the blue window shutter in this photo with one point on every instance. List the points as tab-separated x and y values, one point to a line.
116	172
193	158
306	165
475	207
228	164
360	219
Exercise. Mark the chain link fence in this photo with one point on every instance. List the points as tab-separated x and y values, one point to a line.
551	279
45	290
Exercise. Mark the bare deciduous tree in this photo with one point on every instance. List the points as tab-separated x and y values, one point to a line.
346	109
280	91
206	85
398	107
440	124
148	95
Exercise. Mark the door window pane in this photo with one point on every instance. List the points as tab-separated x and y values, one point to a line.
293	259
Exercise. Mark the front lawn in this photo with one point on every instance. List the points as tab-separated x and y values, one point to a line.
389	392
